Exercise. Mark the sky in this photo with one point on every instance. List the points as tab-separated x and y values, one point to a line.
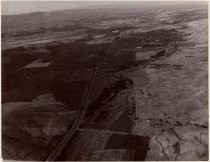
10	8
20	7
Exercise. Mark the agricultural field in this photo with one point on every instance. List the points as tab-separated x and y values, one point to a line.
125	81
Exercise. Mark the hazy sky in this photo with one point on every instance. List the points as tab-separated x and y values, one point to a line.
9	8
20	7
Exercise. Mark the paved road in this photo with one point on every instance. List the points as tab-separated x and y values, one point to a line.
80	114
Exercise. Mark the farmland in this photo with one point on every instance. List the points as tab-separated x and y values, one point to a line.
127	82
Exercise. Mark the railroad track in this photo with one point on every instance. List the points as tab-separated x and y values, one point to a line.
83	107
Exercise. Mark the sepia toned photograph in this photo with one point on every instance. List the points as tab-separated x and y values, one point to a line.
104	80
